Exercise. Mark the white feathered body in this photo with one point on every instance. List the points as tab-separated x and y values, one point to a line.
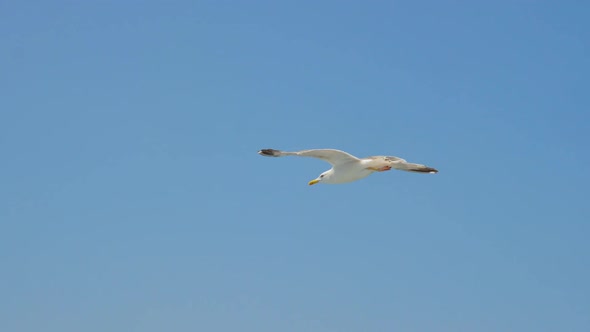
348	172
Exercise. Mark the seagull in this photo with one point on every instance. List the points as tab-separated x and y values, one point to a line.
348	168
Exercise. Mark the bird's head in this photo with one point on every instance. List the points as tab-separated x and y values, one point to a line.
323	177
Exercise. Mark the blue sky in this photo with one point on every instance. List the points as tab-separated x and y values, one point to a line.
133	198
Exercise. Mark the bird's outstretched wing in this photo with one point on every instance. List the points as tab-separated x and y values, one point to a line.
334	157
402	164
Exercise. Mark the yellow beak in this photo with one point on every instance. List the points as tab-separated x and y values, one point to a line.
312	182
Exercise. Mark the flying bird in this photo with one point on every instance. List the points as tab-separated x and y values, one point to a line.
348	168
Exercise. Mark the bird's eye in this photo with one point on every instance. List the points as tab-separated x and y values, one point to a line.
321	176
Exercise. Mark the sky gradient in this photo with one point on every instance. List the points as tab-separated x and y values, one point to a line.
132	197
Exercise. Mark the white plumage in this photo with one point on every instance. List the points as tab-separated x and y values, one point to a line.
348	168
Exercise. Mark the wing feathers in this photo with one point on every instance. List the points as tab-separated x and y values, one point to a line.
332	156
410	167
337	157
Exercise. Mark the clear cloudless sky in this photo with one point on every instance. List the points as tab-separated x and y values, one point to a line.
132	197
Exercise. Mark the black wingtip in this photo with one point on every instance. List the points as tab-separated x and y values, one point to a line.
425	170
269	153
